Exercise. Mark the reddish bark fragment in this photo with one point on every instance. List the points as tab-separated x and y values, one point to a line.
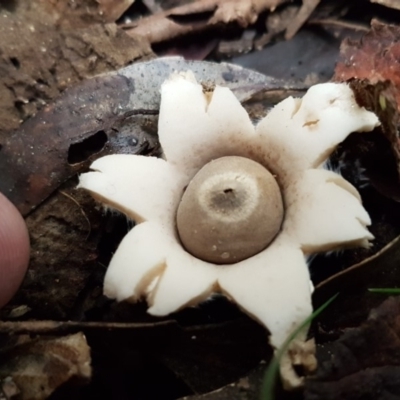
376	57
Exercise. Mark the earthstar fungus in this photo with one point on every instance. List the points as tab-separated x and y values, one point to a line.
232	207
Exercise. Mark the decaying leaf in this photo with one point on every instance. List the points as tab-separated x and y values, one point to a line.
364	363
198	16
107	114
33	369
84	121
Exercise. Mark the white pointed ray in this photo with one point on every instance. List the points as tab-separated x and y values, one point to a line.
273	287
301	134
144	188
139	259
196	127
324	212
186	281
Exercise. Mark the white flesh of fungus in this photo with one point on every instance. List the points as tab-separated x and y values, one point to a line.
322	211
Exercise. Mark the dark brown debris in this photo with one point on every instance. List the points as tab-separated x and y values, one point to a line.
246	388
364	363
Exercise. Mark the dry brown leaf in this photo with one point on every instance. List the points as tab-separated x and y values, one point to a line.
35	368
199	16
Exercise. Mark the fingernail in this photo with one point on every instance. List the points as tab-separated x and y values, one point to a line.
14	250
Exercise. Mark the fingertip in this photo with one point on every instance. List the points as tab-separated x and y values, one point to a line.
14	249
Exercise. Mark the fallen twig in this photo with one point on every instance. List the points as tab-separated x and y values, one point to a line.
302	16
199	16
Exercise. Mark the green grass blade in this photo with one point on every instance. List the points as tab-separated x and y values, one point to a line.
385	290
268	385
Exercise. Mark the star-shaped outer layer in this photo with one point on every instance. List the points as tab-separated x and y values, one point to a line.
322	210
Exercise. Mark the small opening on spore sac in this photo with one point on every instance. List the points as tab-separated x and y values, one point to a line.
229	190
79	152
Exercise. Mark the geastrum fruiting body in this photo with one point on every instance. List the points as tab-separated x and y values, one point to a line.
234	208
